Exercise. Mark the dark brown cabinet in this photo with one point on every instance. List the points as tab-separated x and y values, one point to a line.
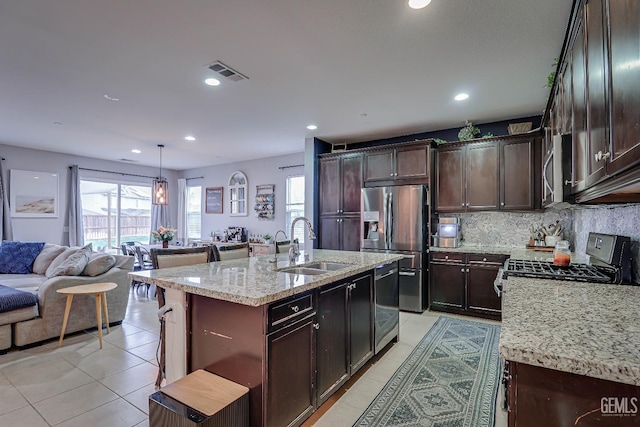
345	333
408	163
340	232
332	341
467	177
450	179
482	176
361	307
624	53
446	285
290	394
546	397
598	90
517	174
339	204
463	283
497	174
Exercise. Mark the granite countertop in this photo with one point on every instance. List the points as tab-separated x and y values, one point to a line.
476	249
583	328
516	252
253	281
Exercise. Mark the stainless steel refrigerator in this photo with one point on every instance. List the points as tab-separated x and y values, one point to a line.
396	219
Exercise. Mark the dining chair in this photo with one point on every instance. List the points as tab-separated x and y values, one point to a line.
283	246
176	257
227	252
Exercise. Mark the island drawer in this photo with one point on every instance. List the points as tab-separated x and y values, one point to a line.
284	312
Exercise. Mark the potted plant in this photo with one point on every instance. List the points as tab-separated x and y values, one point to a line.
267	238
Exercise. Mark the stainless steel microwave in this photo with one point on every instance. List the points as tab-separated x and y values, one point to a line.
556	171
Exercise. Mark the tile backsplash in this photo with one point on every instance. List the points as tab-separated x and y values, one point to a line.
512	229
509	229
620	220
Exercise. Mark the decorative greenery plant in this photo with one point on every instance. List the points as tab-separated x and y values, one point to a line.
551	78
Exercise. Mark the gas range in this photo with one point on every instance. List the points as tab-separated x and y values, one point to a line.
610	256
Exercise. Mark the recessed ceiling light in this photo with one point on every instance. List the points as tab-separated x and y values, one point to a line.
190	138
312	127
461	96
212	82
418	4
136	151
110	98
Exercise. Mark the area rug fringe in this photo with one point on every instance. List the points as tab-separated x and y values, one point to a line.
449	379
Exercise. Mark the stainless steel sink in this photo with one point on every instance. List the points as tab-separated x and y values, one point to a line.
304	271
325	265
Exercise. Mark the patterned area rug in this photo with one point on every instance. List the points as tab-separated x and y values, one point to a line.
449	380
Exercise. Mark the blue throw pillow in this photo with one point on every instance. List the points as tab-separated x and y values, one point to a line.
18	257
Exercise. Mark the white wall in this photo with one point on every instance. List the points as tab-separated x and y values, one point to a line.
55	230
258	172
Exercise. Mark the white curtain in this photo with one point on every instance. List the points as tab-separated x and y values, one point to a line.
76	231
6	229
182	232
159	218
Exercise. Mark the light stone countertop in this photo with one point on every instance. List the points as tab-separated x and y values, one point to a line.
253	281
583	328
516	252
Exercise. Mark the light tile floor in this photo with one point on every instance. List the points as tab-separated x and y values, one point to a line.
81	385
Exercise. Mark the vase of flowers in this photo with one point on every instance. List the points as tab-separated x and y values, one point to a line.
165	235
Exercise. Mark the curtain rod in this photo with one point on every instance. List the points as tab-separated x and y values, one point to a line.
195	177
288	167
116	173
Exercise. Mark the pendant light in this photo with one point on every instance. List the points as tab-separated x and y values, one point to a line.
160	194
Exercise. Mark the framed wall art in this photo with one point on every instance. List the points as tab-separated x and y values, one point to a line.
213	200
34	194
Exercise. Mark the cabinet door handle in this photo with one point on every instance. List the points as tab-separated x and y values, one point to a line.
446	257
501	203
316	325
295	308
484	260
467	270
462	269
390	174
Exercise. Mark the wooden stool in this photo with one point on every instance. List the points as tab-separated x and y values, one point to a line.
200	399
97	289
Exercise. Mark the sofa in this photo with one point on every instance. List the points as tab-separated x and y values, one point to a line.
33	271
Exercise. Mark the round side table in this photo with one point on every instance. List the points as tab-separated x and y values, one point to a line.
97	289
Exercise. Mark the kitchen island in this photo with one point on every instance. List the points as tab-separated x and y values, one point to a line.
573	352
293	339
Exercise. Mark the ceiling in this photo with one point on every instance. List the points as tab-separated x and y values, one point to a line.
358	69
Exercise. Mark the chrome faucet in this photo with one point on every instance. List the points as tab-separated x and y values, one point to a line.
275	243
294	250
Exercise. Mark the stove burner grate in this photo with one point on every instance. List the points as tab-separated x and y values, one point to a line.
546	269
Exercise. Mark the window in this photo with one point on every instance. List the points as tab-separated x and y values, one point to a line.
238	194
194	212
295	206
114	213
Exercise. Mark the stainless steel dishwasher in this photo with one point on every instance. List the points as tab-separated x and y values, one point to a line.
387	299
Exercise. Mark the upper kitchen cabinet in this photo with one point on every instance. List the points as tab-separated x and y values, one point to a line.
624	34
597	87
339	201
467	177
340	184
487	175
518	163
408	163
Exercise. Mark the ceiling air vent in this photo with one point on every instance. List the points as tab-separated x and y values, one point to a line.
227	71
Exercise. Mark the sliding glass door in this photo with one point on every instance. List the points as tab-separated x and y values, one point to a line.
115	213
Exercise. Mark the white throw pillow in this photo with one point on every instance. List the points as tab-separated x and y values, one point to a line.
46	257
99	264
73	265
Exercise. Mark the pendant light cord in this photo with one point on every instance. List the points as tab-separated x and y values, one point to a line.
161	147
